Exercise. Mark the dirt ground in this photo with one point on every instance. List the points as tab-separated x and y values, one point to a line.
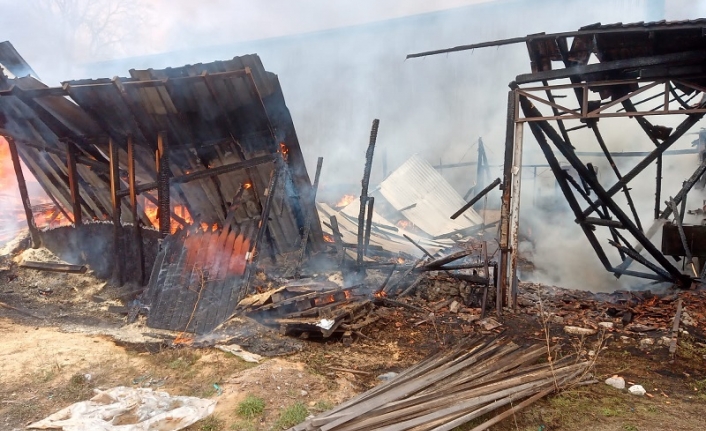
58	342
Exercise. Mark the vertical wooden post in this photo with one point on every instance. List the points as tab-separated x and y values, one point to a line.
115	200
137	233
73	182
505	205
163	185
24	194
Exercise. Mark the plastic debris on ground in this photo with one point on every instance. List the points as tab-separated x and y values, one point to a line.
129	409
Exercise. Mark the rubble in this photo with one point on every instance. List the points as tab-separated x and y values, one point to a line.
637	390
616	382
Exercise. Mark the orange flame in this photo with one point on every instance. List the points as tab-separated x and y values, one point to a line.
348	294
325	300
404	224
180	210
328	238
284	150
380	294
345	201
247	186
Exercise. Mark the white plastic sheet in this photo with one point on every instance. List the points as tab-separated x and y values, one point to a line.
129	409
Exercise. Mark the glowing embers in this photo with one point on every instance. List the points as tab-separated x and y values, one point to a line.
328	238
283	150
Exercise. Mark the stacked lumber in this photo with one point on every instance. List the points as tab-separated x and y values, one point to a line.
451	388
310	309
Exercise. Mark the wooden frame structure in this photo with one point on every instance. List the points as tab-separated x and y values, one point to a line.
201	136
634	71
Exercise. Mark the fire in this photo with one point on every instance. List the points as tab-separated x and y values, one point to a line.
348	294
345	201
328	238
247	186
284	150
400	260
404	224
180	210
380	294
325	300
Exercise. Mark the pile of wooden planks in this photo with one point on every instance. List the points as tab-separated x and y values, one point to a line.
310	309
451	388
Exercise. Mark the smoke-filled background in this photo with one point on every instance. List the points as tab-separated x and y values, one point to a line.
342	64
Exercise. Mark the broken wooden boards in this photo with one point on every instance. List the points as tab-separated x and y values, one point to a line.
451	388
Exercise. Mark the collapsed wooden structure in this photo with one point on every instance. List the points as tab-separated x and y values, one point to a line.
207	154
607	71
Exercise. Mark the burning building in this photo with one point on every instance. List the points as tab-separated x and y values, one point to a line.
203	159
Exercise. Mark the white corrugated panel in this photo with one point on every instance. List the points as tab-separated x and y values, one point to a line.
389	240
417	182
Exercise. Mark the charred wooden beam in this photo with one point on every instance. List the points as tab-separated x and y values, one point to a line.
565	189
609	157
24	194
368	224
387	279
506	197
603	222
603	195
116	210
364	189
682	236
638	257
476	198
414	243
609	66
309	218
438	263
264	219
53	266
137	232
206	173
681	129
73	182
163	185
337	238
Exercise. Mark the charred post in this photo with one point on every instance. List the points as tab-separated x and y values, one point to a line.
476	198
73	182
309	218
163	184
368	224
24	194
505	205
115	200
136	232
364	192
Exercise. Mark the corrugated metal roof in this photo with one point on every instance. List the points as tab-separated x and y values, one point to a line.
11	60
426	199
385	234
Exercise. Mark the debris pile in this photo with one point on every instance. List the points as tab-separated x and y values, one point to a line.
452	388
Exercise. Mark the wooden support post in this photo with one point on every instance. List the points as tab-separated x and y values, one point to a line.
515	215
505	205
309	218
73	182
368	225
264	218
364	192
117	227
137	233
24	194
163	185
